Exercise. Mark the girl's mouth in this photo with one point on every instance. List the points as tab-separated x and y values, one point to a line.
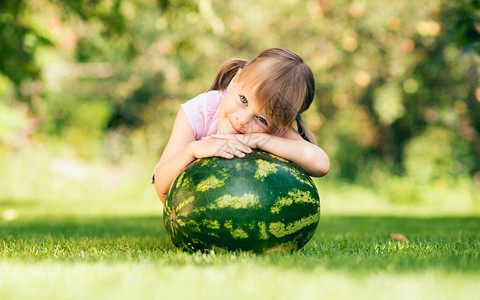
236	131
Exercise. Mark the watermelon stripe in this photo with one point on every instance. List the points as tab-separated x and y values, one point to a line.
185	203
244	201
301	196
239	234
279	229
211	182
264	168
262	228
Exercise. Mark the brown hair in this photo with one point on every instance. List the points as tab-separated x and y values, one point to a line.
282	82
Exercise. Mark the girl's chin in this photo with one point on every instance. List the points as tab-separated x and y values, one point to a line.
224	130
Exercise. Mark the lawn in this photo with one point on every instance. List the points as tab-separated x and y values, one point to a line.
108	241
75	257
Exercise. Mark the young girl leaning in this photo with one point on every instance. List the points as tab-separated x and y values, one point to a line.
250	104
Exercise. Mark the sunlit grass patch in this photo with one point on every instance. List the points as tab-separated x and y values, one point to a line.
147	280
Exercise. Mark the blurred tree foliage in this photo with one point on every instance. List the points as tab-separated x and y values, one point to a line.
398	89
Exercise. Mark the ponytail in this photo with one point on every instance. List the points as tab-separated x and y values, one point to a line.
307	101
304	132
225	74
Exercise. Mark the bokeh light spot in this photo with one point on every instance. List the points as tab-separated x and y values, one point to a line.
410	86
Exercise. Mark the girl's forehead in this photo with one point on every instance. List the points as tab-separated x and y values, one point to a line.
249	84
252	77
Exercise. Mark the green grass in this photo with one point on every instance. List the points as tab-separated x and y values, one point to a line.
102	237
348	243
125	256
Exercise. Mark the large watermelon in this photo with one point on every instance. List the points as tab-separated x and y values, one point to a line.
260	203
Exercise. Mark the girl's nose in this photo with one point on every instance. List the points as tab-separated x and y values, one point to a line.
243	120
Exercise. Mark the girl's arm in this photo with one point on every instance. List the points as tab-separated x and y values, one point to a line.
293	147
290	146
175	156
182	149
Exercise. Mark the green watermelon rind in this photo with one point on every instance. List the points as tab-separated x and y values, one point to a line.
205	209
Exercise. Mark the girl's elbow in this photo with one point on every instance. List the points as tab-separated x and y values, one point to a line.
320	169
320	165
161	194
324	169
162	197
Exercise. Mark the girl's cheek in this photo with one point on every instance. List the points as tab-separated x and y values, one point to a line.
254	128
231	105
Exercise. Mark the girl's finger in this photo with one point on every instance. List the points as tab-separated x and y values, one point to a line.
239	150
238	146
238	153
232	153
246	149
218	136
225	154
224	136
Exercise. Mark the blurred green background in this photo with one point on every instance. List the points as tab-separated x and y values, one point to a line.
89	91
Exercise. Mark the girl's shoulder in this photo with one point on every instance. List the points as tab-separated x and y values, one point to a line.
207	99
202	112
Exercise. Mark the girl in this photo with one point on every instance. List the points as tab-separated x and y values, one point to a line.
250	104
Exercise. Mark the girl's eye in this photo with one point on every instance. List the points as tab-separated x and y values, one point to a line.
243	99
262	120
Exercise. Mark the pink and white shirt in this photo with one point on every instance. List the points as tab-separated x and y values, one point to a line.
202	113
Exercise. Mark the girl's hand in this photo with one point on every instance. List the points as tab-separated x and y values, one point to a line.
252	140
221	146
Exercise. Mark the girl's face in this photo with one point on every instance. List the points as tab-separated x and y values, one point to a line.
239	112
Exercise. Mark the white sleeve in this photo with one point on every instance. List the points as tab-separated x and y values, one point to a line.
195	110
